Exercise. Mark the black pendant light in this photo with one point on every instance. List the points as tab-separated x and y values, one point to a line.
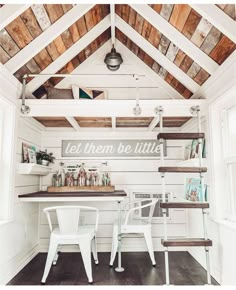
113	60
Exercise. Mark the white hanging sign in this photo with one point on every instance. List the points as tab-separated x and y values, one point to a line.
111	148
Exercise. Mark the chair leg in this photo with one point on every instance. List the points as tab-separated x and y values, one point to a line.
148	239
114	246
55	258
51	254
94	250
85	249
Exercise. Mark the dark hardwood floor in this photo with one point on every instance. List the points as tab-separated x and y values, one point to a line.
184	270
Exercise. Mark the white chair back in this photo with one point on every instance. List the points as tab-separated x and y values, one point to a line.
144	203
68	218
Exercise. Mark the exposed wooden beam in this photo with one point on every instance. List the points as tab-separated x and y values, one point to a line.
156	55
73	123
113	121
9	12
218	18
176	37
34	47
109	108
70	53
153	124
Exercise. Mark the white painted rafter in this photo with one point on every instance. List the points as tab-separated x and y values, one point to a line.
217	18
70	53
113	122
153	124
73	123
34	47
176	37
156	55
9	12
113	33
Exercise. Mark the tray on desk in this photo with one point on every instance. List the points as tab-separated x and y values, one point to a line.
81	189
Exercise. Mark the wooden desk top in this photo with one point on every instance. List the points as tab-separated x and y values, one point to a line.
44	196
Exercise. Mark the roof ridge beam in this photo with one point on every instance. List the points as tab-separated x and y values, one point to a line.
217	18
69	54
9	12
56	29
176	37
156	55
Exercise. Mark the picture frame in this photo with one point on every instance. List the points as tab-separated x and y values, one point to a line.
28	153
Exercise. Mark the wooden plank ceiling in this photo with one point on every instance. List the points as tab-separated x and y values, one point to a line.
39	17
100	122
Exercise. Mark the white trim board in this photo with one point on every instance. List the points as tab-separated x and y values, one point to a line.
109	108
34	47
176	37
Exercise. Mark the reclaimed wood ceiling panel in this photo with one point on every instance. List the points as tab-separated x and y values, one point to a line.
76	61
53	121
94	122
167	76
174	121
228	9
198	30
32	22
125	122
162	43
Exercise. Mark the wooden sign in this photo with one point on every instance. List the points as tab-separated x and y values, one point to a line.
111	148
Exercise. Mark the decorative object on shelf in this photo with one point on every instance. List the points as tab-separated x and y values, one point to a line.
194	149
137	109
194	191
44	158
89	94
106	181
28	153
57	179
187	151
81	189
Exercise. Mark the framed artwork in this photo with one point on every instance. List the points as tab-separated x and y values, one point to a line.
28	153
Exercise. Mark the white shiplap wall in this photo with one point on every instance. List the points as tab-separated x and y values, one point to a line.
129	174
19	236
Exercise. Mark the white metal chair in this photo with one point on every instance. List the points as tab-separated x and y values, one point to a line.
69	232
134	225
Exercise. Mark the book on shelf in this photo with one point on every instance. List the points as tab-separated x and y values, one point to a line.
191	150
194	191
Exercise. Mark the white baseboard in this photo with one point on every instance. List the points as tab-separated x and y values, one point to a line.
200	257
16	264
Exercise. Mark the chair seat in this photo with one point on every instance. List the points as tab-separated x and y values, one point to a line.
135	226
83	232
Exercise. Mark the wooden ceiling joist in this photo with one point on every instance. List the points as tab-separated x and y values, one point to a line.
156	55
45	38
218	18
69	54
9	12
176	37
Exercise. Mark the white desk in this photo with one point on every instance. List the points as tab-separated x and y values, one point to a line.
117	196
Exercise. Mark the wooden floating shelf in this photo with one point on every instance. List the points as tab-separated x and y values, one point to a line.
32	168
184	205
182	169
81	189
186	243
180	136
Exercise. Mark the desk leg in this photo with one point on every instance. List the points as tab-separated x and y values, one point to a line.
119	268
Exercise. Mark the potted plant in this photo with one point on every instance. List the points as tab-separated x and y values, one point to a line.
44	158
